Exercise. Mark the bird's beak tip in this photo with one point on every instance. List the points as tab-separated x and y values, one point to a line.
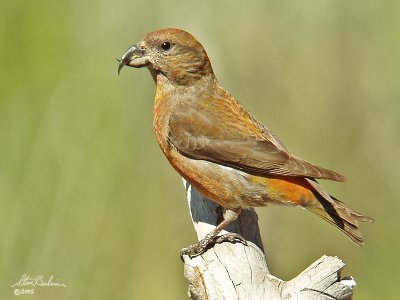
133	57
120	65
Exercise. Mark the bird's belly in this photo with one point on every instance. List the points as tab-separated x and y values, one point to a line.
233	188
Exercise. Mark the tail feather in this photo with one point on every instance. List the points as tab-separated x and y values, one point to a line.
360	217
338	214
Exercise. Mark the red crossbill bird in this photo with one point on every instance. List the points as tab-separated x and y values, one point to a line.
217	146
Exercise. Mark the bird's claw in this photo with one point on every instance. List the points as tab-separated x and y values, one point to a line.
192	251
206	243
198	248
231	238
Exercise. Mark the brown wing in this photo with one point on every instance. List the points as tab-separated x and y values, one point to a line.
230	136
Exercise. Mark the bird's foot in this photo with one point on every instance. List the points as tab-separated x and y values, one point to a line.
210	240
231	238
194	250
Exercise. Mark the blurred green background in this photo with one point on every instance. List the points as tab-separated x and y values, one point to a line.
87	196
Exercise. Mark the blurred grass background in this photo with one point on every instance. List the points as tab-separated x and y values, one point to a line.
85	192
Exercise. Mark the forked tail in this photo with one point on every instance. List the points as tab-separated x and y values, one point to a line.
339	214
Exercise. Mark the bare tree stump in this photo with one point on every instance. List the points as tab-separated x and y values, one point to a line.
235	271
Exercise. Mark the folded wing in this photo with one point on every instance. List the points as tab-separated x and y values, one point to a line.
232	137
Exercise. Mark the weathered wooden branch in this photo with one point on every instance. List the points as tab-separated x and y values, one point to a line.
235	271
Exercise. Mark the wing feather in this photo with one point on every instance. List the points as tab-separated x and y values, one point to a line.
232	137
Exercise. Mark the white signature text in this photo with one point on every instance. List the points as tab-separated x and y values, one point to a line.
39	280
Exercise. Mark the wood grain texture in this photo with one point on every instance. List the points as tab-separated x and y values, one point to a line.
236	271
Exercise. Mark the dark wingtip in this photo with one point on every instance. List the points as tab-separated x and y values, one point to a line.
341	178
331	175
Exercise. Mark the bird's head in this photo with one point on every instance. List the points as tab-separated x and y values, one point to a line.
172	53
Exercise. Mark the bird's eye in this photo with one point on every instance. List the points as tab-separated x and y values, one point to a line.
165	46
